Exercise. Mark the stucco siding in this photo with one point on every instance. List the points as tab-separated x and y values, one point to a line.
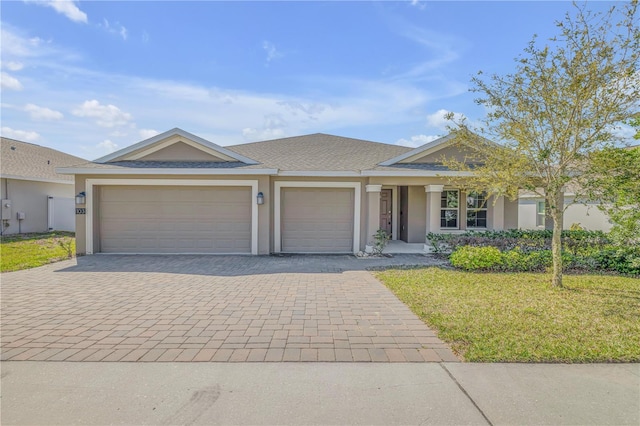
31	198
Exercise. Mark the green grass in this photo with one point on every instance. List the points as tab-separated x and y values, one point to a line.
519	317
26	251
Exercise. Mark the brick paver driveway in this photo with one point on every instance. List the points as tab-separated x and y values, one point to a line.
211	308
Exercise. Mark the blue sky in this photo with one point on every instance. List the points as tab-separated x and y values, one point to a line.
89	77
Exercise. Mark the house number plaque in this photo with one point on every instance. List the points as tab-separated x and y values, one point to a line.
81	210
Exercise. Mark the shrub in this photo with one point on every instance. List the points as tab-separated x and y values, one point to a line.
476	258
623	260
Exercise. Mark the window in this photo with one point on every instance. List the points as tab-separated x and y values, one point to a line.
540	213
476	210
449	209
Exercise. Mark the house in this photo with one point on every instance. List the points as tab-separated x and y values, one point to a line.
587	215
35	198
179	193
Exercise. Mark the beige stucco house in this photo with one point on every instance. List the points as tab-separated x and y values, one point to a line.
178	193
35	198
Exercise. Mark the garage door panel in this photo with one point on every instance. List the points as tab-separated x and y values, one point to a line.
317	220
142	219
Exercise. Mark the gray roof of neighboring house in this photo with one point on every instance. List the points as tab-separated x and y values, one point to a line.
319	152
34	162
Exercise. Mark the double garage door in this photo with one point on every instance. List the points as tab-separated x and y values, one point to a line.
172	219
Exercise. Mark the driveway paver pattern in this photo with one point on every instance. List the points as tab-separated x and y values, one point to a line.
212	308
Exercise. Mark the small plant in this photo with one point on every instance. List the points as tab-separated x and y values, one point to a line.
67	244
476	258
439	242
381	238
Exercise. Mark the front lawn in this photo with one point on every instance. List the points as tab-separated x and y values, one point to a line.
519	317
26	251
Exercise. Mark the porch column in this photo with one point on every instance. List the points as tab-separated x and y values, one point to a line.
433	207
497	214
373	210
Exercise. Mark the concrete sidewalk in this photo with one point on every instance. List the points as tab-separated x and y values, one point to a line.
319	393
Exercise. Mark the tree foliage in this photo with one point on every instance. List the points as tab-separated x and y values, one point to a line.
614	181
563	102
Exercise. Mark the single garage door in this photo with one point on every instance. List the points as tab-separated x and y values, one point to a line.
317	220
174	219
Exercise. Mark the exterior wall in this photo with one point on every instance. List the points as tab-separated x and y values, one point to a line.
511	214
588	216
450	152
180	151
263	210
31	198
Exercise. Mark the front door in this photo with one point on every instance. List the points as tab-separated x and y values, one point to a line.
385	210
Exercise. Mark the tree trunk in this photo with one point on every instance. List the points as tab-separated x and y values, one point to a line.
557	213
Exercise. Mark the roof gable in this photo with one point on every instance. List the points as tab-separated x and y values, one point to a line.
427	153
175	145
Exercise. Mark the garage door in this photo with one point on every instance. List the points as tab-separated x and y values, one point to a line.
317	220
171	219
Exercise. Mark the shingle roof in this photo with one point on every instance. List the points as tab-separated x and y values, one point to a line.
34	162
319	152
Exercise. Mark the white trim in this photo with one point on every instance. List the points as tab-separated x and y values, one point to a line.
373	188
277	214
90	183
167	171
319	173
433	188
34	179
173	132
416	173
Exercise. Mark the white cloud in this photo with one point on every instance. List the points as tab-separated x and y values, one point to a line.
273	127
115	28
148	133
13	65
107	146
67	8
105	115
9	82
42	113
417	140
439	121
21	135
272	52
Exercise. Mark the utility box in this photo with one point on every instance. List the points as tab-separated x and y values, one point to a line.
21	216
7	211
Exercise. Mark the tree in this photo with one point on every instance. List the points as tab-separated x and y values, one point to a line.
563	102
614	180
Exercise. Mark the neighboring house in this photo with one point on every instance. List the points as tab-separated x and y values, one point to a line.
35	198
178	193
531	214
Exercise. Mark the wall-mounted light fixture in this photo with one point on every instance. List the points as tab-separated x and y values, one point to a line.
260	198
81	198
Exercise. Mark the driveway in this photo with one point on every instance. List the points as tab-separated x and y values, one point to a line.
212	308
